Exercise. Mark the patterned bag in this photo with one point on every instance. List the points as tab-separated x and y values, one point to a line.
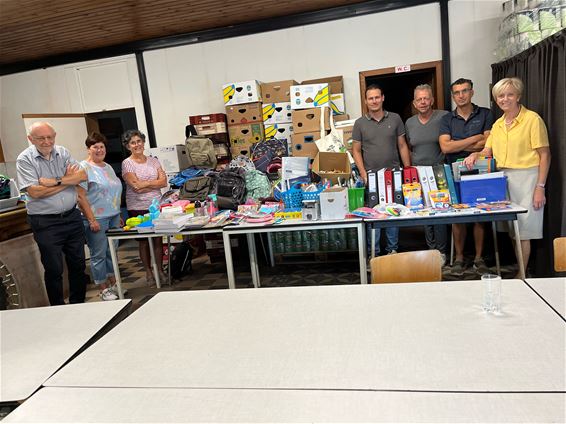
257	185
274	147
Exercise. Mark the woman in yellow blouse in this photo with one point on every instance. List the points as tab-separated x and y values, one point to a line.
519	143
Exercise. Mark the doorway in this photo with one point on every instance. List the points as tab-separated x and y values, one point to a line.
398	86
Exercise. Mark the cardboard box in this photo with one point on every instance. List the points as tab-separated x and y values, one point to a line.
244	114
207	119
172	158
304	144
335	84
337	104
308	120
245	134
277	113
332	165
236	93
278	91
346	134
308	96
339	118
334	203
241	149
279	131
212	128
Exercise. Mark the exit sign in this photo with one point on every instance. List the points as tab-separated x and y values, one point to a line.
402	68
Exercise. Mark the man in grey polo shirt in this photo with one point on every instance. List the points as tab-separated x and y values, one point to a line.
378	142
49	176
423	130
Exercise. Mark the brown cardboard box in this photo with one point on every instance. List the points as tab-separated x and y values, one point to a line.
246	134
344	117
304	144
277	92
241	149
335	84
244	113
332	165
308	120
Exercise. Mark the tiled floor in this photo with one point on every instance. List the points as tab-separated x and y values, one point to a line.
209	276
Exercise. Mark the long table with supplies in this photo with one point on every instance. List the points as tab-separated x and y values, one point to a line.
462	216
36	342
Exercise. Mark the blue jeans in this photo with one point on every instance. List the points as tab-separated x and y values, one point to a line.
100	259
392	235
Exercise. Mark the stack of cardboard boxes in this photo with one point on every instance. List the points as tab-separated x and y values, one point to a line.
244	115
307	102
277	118
213	126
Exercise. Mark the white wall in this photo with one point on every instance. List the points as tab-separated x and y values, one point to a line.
474	25
62	90
188	80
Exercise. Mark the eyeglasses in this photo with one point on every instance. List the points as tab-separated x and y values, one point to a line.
44	138
464	91
136	142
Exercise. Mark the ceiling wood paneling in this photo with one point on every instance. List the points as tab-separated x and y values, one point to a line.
32	30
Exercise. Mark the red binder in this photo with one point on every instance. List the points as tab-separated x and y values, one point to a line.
388	185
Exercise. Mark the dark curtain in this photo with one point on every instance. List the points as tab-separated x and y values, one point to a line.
542	69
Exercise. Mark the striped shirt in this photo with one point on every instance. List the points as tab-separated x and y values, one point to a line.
147	171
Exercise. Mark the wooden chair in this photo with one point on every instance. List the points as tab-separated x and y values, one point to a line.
407	267
560	254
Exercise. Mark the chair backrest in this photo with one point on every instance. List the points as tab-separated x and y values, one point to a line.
407	267
560	254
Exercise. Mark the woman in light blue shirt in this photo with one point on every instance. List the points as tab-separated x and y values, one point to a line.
99	200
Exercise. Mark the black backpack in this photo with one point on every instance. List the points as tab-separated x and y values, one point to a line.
181	260
230	188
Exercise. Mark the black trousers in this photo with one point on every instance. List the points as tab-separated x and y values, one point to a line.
58	235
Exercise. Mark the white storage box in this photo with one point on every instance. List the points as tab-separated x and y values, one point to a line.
14	196
334	203
277	113
172	158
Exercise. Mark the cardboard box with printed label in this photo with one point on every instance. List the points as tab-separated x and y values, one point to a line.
207	119
304	144
334	203
212	128
278	91
335	84
172	158
241	149
279	131
332	165
245	134
308	96
244	113
236	93
337	104
277	113
308	120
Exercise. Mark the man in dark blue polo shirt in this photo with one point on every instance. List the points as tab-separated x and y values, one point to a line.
463	131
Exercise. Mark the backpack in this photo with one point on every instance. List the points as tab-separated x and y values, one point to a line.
272	147
257	185
199	149
230	188
197	188
181	260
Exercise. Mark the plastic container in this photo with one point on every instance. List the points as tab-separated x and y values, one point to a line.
355	198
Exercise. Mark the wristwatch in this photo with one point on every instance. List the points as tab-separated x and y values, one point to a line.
541	185
58	180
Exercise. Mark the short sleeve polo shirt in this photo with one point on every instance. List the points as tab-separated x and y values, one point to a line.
514	147
379	140
458	128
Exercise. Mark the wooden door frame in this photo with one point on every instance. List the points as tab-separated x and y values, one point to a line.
437	86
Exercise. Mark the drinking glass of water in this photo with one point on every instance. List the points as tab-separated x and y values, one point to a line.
491	293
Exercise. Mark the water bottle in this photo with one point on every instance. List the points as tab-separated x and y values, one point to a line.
307	237
315	241
352	239
324	240
288	242
298	241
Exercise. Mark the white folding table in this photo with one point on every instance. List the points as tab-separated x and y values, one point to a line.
130	405
36	342
552	290
419	336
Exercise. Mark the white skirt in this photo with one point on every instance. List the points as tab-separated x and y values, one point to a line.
521	184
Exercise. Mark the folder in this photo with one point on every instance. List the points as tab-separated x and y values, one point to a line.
373	197
381	186
431	180
388	186
398	186
423	178
451	184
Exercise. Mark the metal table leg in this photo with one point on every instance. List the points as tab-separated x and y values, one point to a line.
153	263
519	250
497	264
228	257
114	257
253	259
362	252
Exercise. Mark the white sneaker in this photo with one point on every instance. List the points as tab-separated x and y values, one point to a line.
114	288
393	252
108	294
